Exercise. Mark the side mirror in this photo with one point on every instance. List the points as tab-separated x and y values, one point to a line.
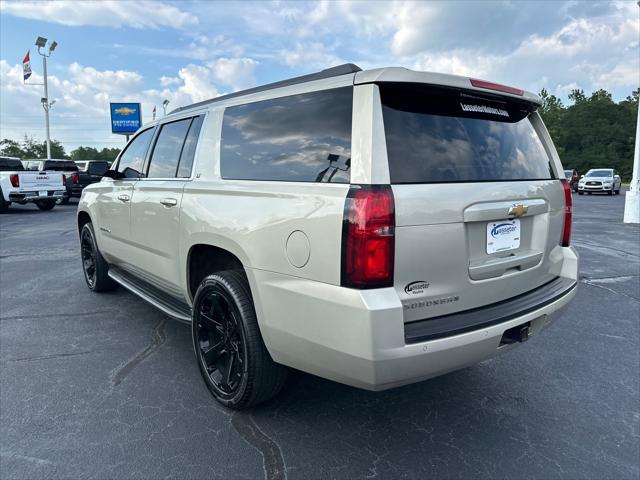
113	174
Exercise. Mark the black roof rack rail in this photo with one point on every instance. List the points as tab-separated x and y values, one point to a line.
326	73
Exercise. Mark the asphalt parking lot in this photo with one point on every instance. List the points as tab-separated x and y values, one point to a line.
104	386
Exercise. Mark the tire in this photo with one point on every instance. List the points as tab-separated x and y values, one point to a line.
4	205
63	201
610	192
45	204
232	358
580	193
94	266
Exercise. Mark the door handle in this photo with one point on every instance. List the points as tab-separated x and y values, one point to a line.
169	202
123	198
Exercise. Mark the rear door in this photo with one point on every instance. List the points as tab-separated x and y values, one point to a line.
479	205
155	207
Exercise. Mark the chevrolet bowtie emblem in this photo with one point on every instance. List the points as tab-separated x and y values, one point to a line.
518	210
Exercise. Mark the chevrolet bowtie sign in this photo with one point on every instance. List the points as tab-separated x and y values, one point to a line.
518	210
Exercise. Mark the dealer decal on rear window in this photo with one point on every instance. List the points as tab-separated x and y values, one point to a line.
484	109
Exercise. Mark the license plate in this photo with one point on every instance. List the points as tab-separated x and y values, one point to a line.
42	193
503	235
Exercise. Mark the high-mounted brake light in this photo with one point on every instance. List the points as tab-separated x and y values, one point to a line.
368	237
495	86
568	208
14	179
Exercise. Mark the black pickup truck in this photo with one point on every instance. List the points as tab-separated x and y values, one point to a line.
90	171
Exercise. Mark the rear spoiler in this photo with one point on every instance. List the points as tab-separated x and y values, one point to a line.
404	75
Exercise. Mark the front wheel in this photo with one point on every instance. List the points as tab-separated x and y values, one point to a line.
232	358
46	204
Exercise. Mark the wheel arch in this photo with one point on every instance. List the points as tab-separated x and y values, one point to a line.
83	219
205	258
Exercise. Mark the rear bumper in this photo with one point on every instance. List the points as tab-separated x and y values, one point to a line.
33	196
76	191
359	337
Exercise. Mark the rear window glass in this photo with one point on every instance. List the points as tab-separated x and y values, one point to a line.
440	136
300	138
10	165
61	166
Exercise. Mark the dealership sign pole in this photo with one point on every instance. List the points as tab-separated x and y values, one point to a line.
40	43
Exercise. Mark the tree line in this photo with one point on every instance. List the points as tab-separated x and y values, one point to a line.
592	132
28	149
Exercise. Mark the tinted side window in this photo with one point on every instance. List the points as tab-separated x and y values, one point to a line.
166	153
301	138
132	158
189	149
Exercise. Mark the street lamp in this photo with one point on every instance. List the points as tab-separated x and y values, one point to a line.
164	106
41	42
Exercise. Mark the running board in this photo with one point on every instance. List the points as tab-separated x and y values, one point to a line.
169	306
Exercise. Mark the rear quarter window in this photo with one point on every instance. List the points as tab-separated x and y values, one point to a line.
10	165
441	136
299	138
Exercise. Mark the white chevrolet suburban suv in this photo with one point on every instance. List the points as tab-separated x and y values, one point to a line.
376	228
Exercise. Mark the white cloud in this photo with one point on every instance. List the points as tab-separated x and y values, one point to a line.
238	73
104	13
310	55
168	81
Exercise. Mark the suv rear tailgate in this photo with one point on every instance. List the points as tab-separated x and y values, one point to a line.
479	208
40	181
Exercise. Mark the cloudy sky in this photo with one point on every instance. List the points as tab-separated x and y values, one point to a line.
146	51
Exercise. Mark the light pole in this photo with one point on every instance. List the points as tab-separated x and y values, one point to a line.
632	197
40	43
165	104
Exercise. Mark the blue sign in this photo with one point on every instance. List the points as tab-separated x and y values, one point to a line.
125	118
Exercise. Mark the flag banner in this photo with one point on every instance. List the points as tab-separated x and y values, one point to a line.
26	67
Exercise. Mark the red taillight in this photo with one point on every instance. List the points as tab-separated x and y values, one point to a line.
568	207
14	179
368	237
75	179
496	86
64	180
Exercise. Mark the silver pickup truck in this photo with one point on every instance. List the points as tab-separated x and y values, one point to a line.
21	186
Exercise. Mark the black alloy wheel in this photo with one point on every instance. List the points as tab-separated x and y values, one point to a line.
89	257
221	343
232	357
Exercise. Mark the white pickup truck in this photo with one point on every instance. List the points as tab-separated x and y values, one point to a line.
20	186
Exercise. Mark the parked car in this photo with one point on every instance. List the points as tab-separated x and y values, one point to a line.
600	180
67	167
375	228
19	186
573	178
90	171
